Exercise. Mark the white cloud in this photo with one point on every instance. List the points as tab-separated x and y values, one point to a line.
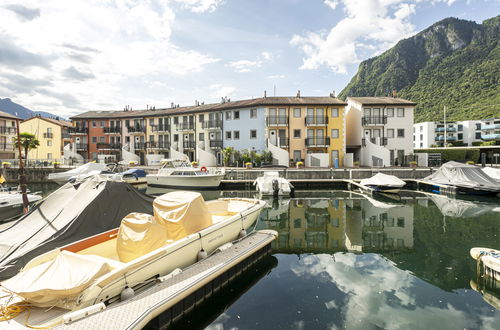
218	91
368	28
244	65
200	6
267	56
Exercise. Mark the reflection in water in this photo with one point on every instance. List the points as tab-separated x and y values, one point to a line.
489	288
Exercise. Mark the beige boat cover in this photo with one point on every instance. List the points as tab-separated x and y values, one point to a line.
139	234
57	282
181	213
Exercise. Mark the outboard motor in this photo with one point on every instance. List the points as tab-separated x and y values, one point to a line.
276	188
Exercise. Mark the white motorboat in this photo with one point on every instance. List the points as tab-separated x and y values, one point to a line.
272	184
133	176
180	174
384	183
490	260
84	170
11	203
183	230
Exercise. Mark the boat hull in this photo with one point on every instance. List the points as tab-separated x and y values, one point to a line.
385	189
198	182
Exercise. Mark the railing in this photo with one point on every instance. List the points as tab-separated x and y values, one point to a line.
81	146
66	136
212	124
78	130
160	128
7	146
112	130
140	145
488	127
448	129
490	137
448	138
136	129
7	130
159	145
215	144
318	142
188	144
48	135
383	141
101	145
316	121
374	120
188	126
283	142
277	121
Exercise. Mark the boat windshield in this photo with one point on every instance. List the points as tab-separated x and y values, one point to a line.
174	163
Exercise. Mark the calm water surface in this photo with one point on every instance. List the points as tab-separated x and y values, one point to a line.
345	260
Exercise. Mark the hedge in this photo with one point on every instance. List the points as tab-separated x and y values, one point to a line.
458	155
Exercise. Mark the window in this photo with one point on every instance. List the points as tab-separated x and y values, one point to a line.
152	122
460	136
460	127
201	136
478	135
228	115
236	135
335	133
421	128
401	132
421	145
390	133
49	155
176	137
401	112
94	139
421	136
253	113
401	222
297	112
253	133
176	120
390	112
49	129
201	118
102	139
151	138
296	133
102	123
228	133
49	143
236	115
127	123
94	123
335	112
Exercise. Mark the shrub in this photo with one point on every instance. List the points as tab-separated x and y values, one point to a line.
458	155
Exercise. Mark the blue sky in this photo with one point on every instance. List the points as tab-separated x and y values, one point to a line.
66	57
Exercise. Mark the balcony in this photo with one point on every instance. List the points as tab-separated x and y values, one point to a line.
112	130
277	121
283	142
136	129
189	145
7	130
212	124
160	128
187	126
448	138
382	141
373	120
48	135
78	130
316	121
215	144
160	145
66	136
449	129
109	146
490	137
81	146
7	146
140	145
319	142
489	127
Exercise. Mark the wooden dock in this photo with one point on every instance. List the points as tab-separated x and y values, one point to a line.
179	294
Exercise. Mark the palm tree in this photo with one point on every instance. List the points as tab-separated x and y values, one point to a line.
28	142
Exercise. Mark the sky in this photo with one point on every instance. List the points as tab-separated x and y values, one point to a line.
67	57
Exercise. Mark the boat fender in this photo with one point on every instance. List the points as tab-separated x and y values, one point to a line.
202	255
203	169
242	234
173	273
126	293
224	247
84	312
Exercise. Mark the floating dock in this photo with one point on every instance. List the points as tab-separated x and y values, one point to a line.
176	295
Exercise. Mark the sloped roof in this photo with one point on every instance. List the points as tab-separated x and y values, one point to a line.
52	120
7	115
383	100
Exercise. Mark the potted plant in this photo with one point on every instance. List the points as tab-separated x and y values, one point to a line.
6	164
470	162
194	164
248	165
133	163
413	163
355	164
57	164
299	165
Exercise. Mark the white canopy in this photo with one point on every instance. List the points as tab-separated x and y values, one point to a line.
381	179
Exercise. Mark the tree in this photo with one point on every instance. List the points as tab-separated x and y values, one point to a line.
28	142
226	155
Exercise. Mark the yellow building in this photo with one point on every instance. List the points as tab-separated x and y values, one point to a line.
7	134
336	132
51	133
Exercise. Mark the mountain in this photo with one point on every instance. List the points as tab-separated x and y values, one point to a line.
453	63
15	109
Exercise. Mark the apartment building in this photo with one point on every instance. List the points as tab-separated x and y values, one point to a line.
8	133
379	130
52	134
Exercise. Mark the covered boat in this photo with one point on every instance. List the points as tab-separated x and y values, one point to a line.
381	182
492	172
459	208
86	169
11	203
272	184
97	269
132	176
466	179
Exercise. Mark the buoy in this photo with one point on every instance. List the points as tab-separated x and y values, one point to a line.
202	255
242	234
127	293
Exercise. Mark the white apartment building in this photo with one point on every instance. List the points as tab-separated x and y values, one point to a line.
379	130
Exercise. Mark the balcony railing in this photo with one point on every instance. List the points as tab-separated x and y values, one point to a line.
382	141
215	144
489	127
66	136
78	130
81	146
159	145
282	142
374	120
7	130
316	121
110	146
7	146
448	129
317	142
490	137
140	145
448	138
160	128
188	144
48	135
112	130
212	124
136	129
188	126
277	121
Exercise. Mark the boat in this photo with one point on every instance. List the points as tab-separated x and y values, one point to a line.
490	259
124	260
384	183
133	176
85	170
463	179
179	174
271	184
11	203
492	172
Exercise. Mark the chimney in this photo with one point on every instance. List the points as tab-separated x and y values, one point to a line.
332	94
265	94
298	93
394	93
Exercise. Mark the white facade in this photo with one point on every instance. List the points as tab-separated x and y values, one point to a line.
431	134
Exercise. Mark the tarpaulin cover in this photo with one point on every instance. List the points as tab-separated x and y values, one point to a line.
84	169
71	213
381	179
494	173
182	213
463	175
63	278
139	234
135	172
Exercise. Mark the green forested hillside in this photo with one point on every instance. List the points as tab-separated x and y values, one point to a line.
454	63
